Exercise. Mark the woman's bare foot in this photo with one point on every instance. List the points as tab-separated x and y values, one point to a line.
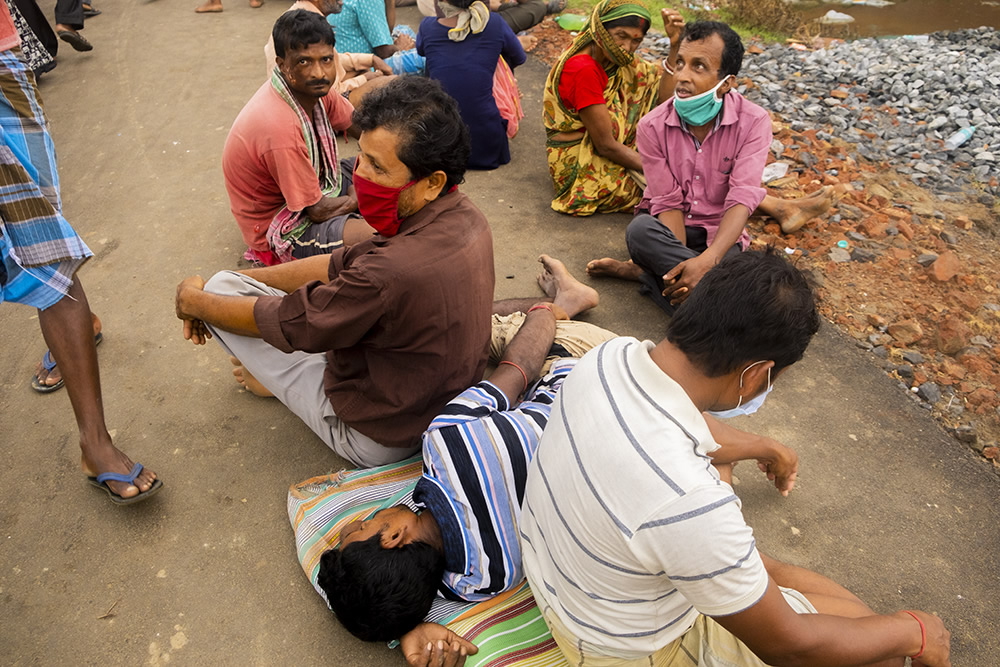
210	7
106	457
528	42
248	381
791	215
566	291
613	268
256	3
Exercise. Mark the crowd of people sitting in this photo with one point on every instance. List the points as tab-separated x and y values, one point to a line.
595	466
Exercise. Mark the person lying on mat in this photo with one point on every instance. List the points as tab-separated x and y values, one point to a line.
464	543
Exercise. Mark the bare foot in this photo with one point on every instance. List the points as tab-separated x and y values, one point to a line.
248	381
528	42
797	213
566	291
614	268
210	7
50	378
256	3
106	457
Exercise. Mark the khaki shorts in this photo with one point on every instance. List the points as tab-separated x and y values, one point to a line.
577	338
706	644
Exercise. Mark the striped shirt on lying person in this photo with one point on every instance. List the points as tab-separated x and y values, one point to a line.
476	456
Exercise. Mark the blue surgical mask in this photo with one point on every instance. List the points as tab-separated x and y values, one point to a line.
699	109
751	406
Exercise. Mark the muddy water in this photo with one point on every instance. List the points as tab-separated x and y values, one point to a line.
914	17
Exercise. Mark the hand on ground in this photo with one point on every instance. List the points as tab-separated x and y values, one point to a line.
433	645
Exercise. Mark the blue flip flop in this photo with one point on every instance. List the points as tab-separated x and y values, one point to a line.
48	363
130	478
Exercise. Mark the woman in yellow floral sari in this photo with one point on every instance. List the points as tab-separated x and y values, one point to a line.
594	98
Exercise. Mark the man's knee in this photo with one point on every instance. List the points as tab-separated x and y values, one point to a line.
641	231
228	283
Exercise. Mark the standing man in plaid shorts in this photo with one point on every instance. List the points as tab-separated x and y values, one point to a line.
39	257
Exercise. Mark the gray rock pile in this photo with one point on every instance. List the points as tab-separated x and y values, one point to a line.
898	99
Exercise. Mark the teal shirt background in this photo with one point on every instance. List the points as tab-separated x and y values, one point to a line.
360	26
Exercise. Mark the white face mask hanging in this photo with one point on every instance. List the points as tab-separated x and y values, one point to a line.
751	406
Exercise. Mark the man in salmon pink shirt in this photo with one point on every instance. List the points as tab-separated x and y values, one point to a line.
703	154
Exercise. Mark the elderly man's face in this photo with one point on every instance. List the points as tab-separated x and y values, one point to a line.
310	71
698	66
330	6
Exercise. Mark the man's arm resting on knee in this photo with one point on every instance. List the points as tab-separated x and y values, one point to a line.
230	313
674	221
779	636
778	462
684	277
597	120
328	207
290	276
734	220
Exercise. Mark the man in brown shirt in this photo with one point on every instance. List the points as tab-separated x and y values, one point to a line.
368	345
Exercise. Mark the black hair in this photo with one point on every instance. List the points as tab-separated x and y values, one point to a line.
628	22
749	307
433	136
381	594
461	4
299	30
732	51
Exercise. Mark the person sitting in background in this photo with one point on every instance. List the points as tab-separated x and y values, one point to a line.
520	15
357	73
289	194
703	155
467	51
593	100
368	26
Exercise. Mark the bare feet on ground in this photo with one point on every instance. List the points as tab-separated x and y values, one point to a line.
108	458
566	291
796	213
528	42
256	3
212	6
248	381
51	378
613	268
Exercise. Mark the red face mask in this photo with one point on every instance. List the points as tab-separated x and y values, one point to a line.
378	204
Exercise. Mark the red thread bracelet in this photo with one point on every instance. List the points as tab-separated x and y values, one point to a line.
923	635
523	374
544	306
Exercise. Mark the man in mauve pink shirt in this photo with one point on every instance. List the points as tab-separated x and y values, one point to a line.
703	153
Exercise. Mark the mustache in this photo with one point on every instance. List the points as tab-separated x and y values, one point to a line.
315	82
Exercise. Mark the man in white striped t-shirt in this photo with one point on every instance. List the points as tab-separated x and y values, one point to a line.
632	538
